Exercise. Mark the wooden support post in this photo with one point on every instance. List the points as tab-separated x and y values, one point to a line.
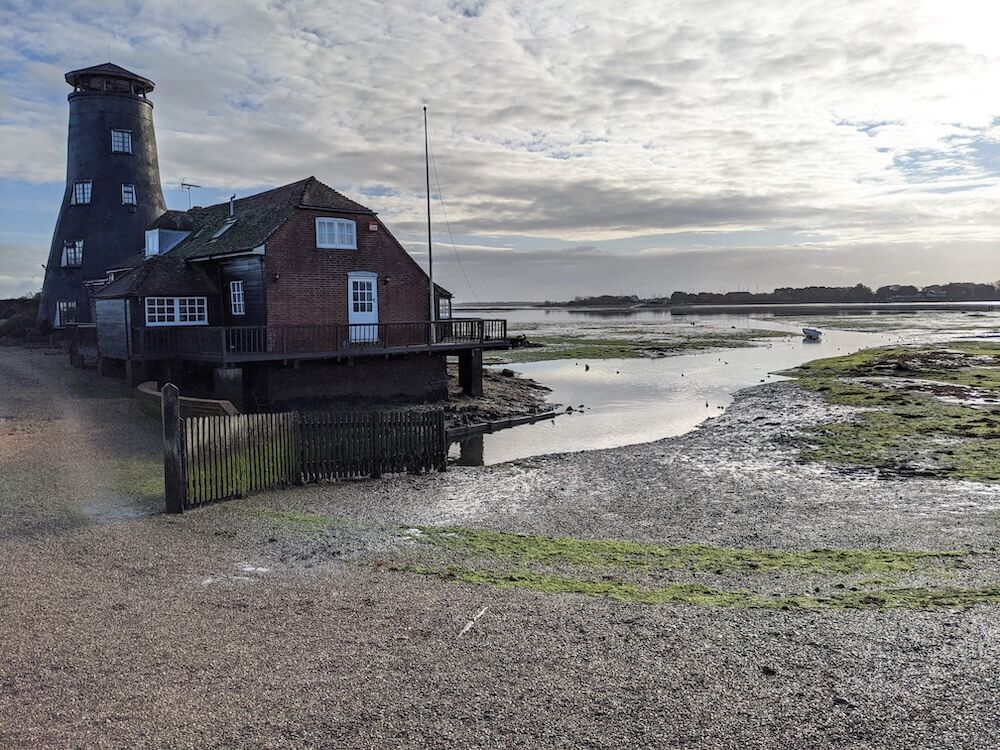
173	442
470	372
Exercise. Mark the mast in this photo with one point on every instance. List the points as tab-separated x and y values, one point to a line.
430	255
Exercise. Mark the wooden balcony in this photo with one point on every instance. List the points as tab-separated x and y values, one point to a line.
239	344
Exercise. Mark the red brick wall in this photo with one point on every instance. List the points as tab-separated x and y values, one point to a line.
312	284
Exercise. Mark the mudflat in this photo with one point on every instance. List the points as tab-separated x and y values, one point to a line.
713	591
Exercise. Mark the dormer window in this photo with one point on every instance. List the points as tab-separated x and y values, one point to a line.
128	195
121	141
223	229
72	256
81	192
336	234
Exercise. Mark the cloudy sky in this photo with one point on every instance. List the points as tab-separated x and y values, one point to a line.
581	147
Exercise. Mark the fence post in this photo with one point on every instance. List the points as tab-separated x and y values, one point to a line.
442	443
173	442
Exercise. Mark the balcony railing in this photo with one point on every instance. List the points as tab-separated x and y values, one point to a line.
248	343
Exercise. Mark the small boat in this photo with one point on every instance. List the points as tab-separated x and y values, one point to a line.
813	334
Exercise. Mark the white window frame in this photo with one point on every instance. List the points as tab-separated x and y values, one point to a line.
81	189
128	191
336	234
237	301
67	305
121	138
168	311
152	242
76	246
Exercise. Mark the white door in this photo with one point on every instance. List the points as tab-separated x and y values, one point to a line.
362	306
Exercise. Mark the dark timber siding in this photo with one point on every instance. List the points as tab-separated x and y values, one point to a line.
112	328
251	272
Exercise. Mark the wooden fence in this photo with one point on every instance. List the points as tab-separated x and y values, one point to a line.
218	458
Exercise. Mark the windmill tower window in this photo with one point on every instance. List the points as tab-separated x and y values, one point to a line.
128	195
81	192
65	313
72	254
121	141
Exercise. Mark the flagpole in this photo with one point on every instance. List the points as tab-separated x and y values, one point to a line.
430	255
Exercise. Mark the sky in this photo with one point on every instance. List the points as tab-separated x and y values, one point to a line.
580	147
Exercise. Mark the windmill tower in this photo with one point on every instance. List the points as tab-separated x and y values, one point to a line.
112	187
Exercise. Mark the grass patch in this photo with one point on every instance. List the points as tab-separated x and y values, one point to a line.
583	347
525	549
687	593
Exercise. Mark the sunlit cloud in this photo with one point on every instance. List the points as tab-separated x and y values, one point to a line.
564	125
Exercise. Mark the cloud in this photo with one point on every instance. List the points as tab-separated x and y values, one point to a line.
570	122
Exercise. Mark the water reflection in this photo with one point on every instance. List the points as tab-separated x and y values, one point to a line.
630	401
470	451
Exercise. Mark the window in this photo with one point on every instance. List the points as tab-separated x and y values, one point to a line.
121	141
236	302
72	253
81	192
152	242
336	234
444	308
176	311
128	195
66	313
223	229
362	296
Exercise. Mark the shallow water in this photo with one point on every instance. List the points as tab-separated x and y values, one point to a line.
628	401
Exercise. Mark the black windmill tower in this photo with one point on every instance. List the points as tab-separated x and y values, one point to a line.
112	187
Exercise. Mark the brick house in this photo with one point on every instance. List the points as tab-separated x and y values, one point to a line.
287	297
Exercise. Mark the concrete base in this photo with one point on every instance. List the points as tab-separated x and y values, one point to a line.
470	372
228	385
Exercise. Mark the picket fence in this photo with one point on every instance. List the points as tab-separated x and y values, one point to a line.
218	458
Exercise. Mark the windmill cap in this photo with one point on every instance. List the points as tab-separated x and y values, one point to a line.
86	78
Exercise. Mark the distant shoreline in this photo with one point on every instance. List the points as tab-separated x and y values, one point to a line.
788	308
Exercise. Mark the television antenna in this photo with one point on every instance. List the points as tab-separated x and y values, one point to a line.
186	186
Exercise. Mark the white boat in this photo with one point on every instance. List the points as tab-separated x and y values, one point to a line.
813	334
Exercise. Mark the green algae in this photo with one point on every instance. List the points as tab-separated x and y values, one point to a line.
916	598
140	477
583	347
292	519
904	429
527	549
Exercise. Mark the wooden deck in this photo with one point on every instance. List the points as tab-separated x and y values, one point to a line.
241	344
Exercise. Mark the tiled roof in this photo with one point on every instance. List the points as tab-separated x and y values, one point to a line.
161	275
183	221
257	217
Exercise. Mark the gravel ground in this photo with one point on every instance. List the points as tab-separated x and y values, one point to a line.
240	626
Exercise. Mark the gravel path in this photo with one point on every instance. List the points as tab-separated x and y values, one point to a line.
228	629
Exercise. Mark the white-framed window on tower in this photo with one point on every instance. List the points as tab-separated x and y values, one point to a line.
81	192
128	195
336	234
121	141
236	302
72	256
65	313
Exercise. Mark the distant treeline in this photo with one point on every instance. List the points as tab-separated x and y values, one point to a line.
953	292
